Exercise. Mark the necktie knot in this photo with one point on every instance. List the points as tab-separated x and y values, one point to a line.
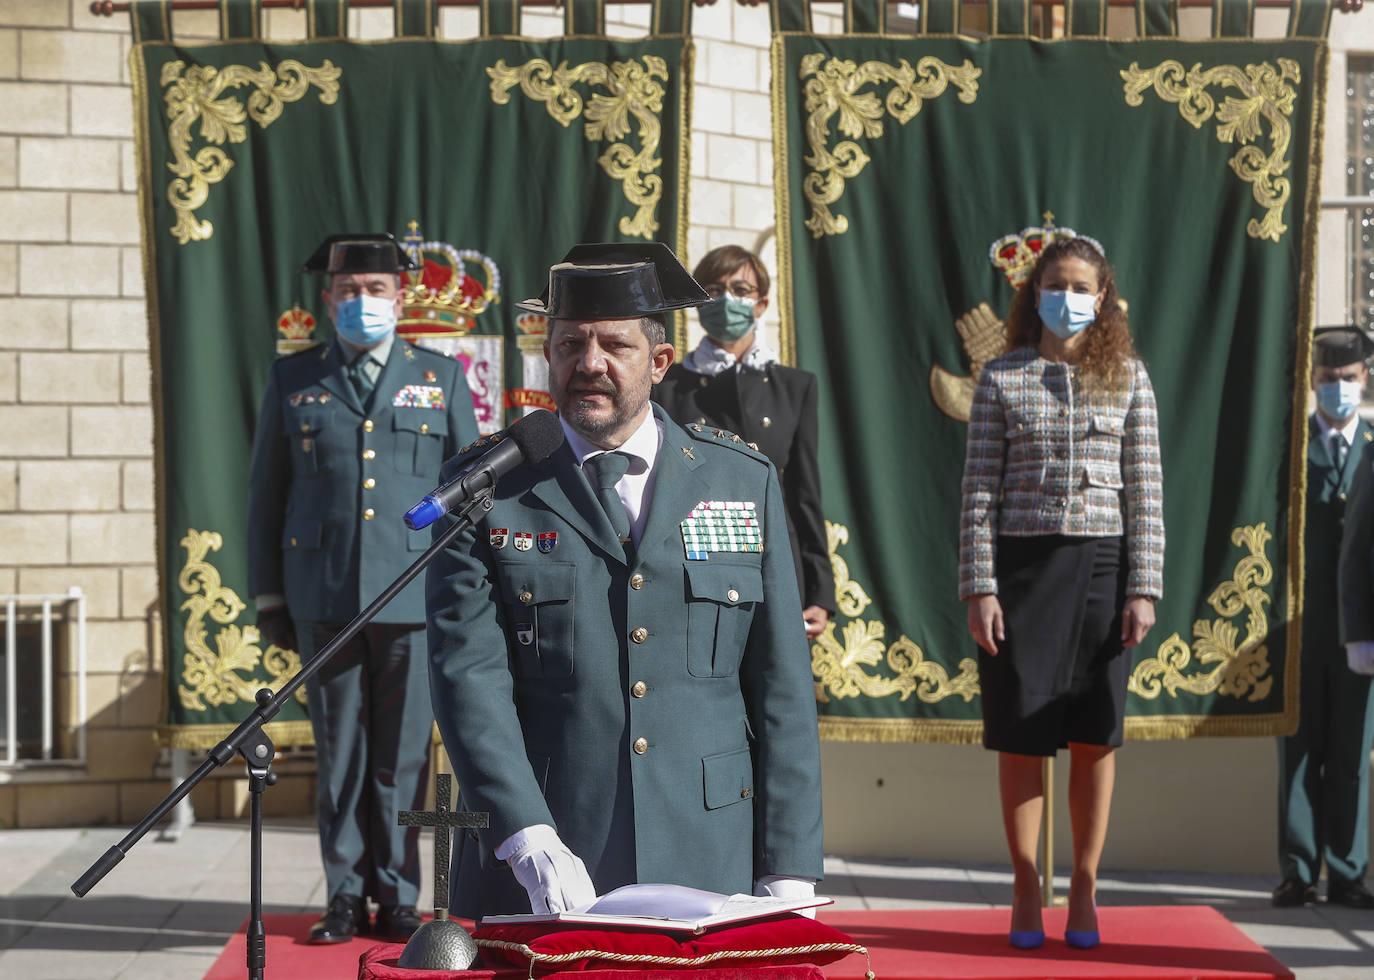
609	468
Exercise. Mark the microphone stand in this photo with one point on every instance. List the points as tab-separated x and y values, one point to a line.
250	741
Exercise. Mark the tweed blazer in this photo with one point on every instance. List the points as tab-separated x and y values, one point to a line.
1044	458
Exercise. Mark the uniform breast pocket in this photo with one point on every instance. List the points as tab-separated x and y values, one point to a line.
307	429
721	597
420	437
538	600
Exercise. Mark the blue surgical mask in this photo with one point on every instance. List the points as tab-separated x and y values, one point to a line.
1065	313
365	320
727	317
1339	399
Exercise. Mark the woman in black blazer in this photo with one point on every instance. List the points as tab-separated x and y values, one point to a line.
733	381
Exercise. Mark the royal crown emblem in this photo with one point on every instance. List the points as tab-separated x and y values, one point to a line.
447	290
295	331
1015	254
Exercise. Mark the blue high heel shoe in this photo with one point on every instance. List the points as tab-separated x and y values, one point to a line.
1082	938
1027	938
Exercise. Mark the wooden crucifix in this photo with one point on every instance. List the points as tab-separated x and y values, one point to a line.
443	820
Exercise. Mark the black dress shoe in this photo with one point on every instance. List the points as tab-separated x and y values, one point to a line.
1350	893
346	916
1292	893
396	923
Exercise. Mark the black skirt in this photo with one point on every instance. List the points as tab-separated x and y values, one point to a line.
1060	675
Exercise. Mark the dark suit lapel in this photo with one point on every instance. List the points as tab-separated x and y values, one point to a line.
1318	448
1363	437
678	484
332	377
564	490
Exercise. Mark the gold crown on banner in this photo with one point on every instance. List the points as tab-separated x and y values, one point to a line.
447	290
295	331
1015	254
532	324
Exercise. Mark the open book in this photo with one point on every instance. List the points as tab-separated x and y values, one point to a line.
670	908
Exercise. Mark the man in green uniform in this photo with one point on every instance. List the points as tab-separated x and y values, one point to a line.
618	662
1324	766
351	433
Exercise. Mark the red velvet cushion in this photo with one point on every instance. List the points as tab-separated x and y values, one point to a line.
787	938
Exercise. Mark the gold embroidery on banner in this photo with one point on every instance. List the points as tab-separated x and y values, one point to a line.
1265	95
985	337
633	95
839	664
835	89
1241	669
224	675
196	93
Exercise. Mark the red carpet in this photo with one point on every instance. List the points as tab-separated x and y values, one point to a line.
1141	943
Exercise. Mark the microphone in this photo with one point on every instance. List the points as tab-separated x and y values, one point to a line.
531	439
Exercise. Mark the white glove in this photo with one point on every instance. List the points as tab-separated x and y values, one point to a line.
554	877
781	886
1359	656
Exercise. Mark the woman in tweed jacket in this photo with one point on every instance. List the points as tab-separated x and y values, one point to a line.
1061	556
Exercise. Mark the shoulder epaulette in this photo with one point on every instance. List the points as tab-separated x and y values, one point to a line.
482	443
724	437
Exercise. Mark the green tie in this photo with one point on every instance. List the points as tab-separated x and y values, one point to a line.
606	471
362	383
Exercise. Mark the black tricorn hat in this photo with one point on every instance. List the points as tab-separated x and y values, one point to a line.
1339	346
358	253
616	280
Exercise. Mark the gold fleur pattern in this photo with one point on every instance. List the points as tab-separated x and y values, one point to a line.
197	93
225	674
840	662
833	90
632	96
1236	669
1266	94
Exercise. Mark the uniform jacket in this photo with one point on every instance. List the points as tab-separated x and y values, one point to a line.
660	714
1042	459
1340	507
329	481
776	410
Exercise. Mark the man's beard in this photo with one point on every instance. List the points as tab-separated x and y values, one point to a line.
588	419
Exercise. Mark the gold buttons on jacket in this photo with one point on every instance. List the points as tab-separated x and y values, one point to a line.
641	746
369	454
293	542
526	597
640	689
640	634
367	425
369	514
765	421
732	595
424	428
636	581
305	426
369	483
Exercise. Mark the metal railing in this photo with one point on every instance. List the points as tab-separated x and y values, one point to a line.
45	608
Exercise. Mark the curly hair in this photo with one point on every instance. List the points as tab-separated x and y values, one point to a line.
1107	350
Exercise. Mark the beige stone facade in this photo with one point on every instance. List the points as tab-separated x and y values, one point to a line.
76	430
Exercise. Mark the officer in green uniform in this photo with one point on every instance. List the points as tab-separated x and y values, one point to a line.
1324	766
352	433
618	662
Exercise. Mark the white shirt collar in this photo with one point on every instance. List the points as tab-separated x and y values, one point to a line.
710	360
641	446
1347	431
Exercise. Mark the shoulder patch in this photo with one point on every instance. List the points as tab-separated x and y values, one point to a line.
724	437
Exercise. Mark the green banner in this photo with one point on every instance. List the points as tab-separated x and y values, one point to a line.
488	157
922	175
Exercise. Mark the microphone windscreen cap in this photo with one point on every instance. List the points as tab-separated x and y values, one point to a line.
538	435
